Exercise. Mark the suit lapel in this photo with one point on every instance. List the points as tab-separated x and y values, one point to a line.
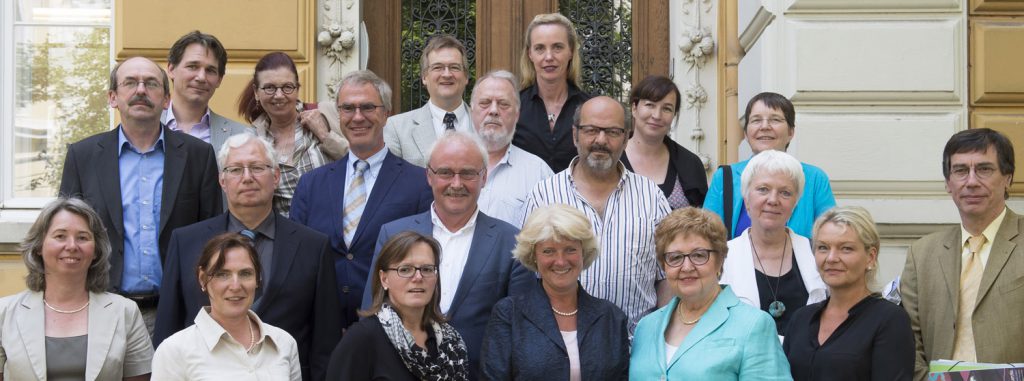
336	186
480	252
712	319
538	313
31	327
1000	253
174	168
949	264
102	324
390	170
107	158
218	130
423	130
285	250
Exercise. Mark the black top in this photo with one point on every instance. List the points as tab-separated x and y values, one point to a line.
534	135
365	353
790	290
684	166
873	343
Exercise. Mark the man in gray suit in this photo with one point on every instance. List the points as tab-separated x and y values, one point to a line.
196	64
443	66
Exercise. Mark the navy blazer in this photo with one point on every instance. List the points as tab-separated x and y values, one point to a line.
191	192
523	341
299	297
400	190
490	275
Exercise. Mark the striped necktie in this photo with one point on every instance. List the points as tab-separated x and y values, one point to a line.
355	200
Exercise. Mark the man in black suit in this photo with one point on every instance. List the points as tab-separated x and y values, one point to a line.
143	179
299	294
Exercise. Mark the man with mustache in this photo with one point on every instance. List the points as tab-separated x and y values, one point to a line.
196	64
144	179
963	286
623	209
444	72
476	266
512	172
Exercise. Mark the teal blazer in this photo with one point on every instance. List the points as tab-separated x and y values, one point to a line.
732	341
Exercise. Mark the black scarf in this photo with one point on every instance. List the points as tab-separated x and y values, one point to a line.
451	362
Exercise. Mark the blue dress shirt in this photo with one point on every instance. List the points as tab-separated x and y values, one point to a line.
142	181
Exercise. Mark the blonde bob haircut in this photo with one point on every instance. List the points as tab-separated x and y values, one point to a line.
529	75
690	221
557	222
772	162
858	219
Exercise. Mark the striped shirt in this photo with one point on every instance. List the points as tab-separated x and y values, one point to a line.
626	268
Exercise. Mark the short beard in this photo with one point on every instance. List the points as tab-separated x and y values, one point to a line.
494	140
599	165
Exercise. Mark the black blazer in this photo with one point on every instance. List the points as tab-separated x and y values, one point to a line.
299	297
689	170
523	341
191	192
366	353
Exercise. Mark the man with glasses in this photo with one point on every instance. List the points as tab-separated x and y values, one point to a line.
477	268
443	71
622	207
298	293
196	64
963	286
143	179
348	200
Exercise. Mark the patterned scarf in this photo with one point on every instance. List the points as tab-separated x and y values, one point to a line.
451	362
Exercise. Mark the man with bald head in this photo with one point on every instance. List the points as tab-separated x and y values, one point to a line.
623	209
477	268
143	179
512	172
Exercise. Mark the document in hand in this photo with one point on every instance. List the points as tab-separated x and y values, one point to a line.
951	370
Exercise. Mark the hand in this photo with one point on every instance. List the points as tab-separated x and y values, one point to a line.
315	122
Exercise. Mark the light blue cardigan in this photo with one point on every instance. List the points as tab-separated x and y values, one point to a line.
732	341
815	199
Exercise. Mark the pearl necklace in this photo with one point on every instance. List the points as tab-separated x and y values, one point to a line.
252	336
560	313
77	310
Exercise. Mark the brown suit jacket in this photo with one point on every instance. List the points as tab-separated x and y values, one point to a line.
930	287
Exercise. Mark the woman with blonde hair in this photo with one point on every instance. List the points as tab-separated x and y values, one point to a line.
550	65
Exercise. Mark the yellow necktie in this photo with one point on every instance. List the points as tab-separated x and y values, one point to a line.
970	280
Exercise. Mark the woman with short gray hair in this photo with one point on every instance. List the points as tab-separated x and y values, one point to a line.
65	316
556	331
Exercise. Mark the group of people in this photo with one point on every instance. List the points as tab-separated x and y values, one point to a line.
533	233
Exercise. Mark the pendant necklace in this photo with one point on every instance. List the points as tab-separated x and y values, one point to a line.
777	307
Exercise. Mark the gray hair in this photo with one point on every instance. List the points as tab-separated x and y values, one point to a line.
454	136
240	139
558	222
163	75
774	162
362	77
858	219
503	75
98	278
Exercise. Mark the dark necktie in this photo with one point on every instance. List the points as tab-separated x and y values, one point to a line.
449	121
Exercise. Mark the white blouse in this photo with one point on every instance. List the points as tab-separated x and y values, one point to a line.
573	348
205	351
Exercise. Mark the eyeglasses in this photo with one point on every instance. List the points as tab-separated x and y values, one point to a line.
364	108
439	68
592	131
287	88
150	84
407	271
981	171
448	174
255	170
243	275
774	122
697	257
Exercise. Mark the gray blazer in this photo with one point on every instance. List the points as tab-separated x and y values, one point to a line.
221	128
119	344
410	135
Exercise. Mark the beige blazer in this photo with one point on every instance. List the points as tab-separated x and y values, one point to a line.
119	345
410	135
930	287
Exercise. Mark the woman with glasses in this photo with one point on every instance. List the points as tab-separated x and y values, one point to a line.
705	332
771	266
556	331
228	341
303	139
550	65
771	125
855	334
652	154
404	336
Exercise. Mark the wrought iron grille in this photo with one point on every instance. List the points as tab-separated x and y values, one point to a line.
422	19
606	30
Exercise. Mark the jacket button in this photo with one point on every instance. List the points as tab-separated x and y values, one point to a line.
344	289
349	256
